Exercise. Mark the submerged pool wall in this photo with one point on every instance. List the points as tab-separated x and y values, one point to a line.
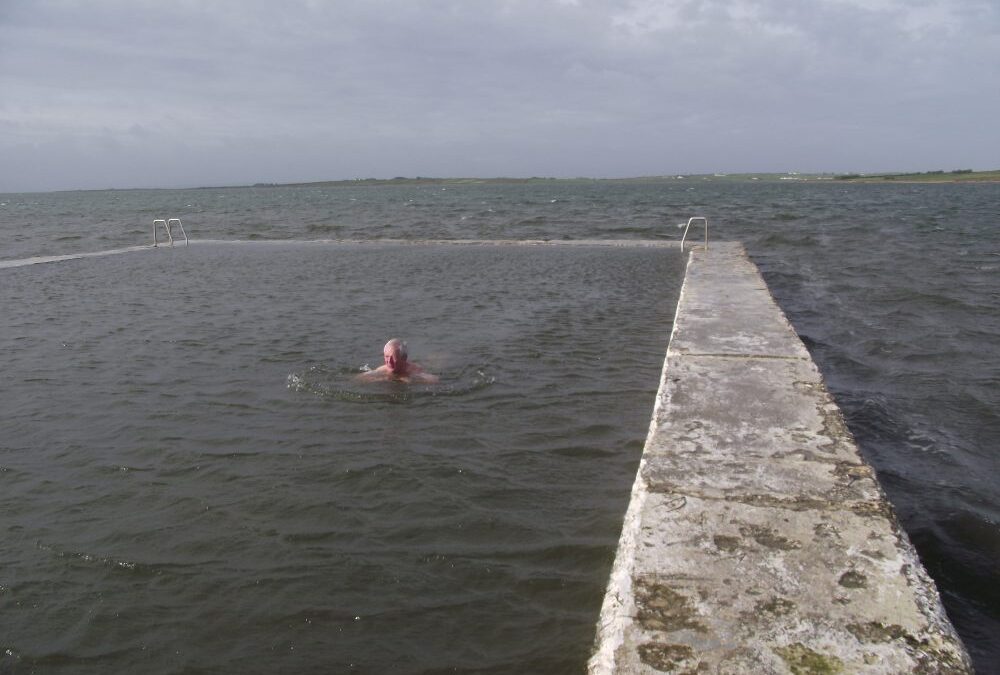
757	539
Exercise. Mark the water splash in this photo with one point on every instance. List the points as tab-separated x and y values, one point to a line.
336	384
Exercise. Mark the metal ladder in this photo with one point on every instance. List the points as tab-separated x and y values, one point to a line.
688	226
166	226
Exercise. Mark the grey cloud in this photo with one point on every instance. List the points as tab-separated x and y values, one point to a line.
232	92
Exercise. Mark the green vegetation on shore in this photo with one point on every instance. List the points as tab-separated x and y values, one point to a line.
957	176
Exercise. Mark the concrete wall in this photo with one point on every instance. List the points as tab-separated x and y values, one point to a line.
757	540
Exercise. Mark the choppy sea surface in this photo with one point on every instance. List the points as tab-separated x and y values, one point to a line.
191	480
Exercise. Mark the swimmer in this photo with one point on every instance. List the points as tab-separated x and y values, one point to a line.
397	367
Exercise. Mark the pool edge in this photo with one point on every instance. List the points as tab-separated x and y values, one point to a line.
618	243
756	538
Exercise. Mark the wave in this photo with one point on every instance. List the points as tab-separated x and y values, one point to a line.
324	228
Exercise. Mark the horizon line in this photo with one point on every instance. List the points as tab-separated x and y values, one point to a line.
801	175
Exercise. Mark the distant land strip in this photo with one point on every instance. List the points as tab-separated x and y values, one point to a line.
958	176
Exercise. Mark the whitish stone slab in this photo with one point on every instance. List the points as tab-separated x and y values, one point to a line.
757	540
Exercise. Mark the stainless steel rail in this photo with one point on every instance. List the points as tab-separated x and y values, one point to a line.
688	227
167	224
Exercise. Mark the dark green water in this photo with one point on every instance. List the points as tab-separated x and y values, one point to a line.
894	289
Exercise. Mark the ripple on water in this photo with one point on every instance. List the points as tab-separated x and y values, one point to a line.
335	384
893	288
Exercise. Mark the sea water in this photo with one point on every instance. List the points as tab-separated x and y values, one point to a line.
193	479
893	288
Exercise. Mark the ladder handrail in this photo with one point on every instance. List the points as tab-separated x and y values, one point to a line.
180	225
167	223
170	237
688	226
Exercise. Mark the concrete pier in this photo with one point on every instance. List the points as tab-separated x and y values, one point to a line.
757	540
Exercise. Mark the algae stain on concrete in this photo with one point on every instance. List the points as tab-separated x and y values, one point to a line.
661	608
852	471
776	606
853	579
671	658
803	661
874	509
726	543
800	503
874	631
768	538
929	659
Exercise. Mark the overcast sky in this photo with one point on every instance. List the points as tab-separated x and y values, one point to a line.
175	93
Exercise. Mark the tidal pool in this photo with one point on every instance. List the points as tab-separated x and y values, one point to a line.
190	478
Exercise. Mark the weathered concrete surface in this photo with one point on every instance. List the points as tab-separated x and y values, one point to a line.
757	540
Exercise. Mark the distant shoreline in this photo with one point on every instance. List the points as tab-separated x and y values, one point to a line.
960	176
927	177
937	177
